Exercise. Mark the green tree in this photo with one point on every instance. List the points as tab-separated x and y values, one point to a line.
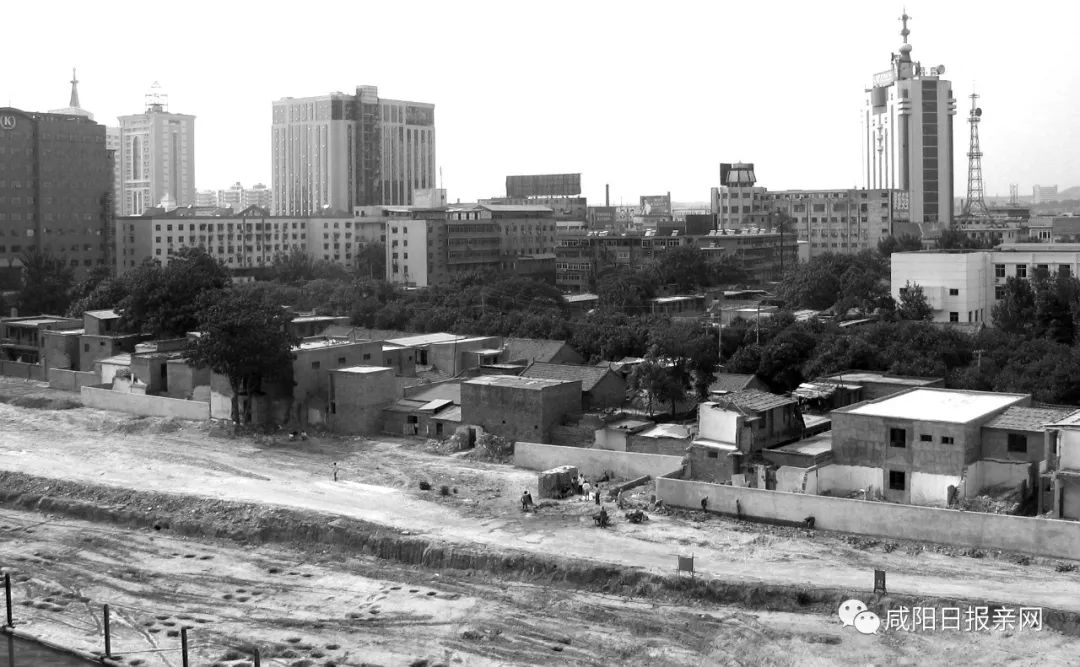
903	243
956	239
45	283
161	301
1015	311
246	339
913	304
682	268
657	381
371	261
625	290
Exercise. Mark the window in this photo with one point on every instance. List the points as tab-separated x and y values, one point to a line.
341	360
1021	270
1064	270
954	292
897	480
926	437
897	437
999	292
366	357
947	440
954	317
713	455
1018	443
315	365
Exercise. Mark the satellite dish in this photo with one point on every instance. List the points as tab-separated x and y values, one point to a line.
978	111
940	69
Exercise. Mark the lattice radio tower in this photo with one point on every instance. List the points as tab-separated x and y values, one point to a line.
975	205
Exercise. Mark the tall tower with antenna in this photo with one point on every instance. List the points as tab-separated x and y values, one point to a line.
975	206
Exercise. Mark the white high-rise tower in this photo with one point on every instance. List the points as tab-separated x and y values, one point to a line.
907	139
156	157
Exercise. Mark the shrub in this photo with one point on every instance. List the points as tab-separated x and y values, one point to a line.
425	485
444	490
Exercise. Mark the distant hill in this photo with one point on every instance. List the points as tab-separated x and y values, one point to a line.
1069	193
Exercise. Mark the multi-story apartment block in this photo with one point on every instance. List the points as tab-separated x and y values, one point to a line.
963	286
835	221
55	189
335	152
157	157
249	239
581	255
427	245
907	130
236	197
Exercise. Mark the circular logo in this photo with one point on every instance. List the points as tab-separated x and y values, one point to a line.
7	122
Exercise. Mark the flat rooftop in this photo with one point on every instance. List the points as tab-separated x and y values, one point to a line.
516	381
578	298
813	446
361	369
857	377
939	405
427	339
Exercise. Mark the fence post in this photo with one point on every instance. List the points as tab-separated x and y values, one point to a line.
108	639
183	646
256	655
7	598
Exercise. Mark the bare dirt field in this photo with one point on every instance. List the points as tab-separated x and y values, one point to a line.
477	615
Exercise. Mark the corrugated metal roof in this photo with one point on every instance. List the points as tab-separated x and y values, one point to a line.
731	382
1028	419
589	376
752	399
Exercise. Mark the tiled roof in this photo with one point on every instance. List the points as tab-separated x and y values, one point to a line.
1028	419
590	376
731	382
534	349
752	399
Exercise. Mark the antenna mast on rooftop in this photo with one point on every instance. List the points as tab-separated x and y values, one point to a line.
976	205
156	101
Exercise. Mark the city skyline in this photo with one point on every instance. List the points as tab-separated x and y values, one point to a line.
643	101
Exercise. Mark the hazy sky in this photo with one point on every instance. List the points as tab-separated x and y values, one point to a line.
647	96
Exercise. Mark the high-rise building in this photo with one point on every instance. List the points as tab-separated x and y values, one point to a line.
1040	194
157	157
55	189
907	139
339	151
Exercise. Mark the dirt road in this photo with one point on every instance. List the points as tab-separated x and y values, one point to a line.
379	483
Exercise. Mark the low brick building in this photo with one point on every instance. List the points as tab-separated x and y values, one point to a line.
600	387
922	446
357	396
518	408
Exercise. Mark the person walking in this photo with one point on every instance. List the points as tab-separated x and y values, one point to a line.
334	470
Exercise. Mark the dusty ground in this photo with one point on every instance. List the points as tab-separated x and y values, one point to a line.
379	483
310	607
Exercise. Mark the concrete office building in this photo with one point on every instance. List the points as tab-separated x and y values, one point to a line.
962	286
248	239
907	136
844	221
55	189
157	157
339	151
425	246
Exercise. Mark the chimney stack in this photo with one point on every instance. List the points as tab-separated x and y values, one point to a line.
607	195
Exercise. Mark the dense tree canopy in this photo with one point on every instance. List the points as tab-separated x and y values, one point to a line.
244	337
45	283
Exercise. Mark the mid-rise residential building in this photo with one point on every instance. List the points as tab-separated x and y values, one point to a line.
1043	194
248	239
338	151
425	246
157	157
844	221
962	286
56	177
907	136
236	197
581	256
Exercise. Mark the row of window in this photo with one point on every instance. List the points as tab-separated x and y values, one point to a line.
1016	442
